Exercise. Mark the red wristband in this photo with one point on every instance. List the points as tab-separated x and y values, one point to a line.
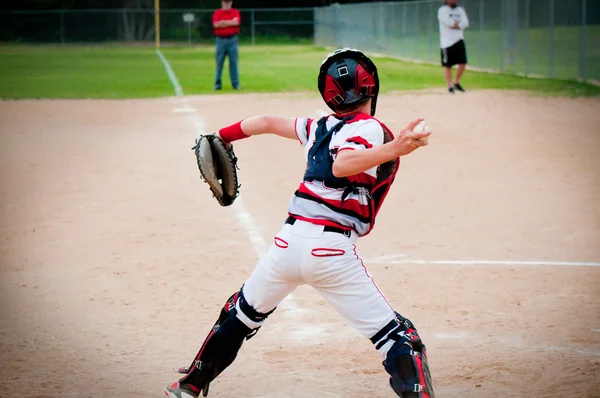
233	133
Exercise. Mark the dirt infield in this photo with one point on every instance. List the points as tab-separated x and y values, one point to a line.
115	259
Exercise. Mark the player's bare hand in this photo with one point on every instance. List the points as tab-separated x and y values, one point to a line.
408	139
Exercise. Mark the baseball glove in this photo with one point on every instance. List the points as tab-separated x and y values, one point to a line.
218	168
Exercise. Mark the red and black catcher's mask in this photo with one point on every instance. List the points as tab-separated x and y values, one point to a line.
348	77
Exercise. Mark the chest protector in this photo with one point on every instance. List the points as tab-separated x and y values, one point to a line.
320	165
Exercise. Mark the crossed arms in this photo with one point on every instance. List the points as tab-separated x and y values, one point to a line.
445	19
226	23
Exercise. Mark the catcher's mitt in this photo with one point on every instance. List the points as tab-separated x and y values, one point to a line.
218	168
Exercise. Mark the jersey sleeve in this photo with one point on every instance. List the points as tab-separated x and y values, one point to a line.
216	16
303	129
363	135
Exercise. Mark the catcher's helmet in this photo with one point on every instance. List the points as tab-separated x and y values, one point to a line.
348	77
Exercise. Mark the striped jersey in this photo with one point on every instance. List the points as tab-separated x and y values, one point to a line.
323	205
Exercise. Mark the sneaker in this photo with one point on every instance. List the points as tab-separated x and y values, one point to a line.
451	90
459	87
177	390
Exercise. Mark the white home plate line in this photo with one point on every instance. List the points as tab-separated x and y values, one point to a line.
489	262
385	258
184	110
243	216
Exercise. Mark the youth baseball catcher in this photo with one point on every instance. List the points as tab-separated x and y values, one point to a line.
352	161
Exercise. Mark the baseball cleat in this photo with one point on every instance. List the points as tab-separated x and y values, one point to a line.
459	87
177	390
451	90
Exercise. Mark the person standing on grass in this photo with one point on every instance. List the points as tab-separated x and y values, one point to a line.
226	24
453	21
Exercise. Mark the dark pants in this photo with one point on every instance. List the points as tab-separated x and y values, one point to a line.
227	47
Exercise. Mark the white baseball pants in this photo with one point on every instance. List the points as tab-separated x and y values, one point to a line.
303	253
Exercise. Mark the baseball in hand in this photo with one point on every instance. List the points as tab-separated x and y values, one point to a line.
422	127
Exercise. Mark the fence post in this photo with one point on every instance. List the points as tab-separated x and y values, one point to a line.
503	30
583	42
252	28
551	38
382	34
62	26
417	33
403	29
189	26
510	22
126	26
481	35
430	32
336	23
315	24
527	56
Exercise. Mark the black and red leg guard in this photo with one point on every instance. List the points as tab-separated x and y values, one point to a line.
222	344
406	360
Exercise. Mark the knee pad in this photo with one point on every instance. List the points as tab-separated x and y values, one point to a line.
224	341
406	360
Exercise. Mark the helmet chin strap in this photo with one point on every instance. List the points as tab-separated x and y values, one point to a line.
373	105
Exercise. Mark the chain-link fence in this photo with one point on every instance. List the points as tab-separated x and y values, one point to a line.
85	26
559	38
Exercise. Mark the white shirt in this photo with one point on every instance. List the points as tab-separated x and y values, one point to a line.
447	16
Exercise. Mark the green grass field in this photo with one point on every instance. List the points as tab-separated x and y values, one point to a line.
121	71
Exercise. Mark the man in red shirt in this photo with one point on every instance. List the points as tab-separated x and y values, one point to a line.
226	24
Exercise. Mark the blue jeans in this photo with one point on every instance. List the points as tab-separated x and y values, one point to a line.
227	47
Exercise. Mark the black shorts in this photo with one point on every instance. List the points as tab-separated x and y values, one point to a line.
456	54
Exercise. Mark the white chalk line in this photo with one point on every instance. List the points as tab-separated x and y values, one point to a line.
174	80
244	218
184	110
487	262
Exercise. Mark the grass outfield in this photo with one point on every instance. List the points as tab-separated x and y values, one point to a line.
136	72
81	72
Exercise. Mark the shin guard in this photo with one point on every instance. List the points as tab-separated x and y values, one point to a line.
406	360
222	344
